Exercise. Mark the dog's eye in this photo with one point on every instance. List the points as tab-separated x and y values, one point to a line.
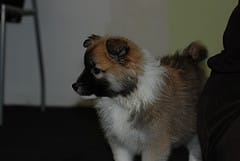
96	70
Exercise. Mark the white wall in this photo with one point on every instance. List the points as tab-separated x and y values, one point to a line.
65	24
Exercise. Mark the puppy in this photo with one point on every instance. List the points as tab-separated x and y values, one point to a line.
146	106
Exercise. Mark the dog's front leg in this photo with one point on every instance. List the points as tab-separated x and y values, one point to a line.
157	151
194	149
121	154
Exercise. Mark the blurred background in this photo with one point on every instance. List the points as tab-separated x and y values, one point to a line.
160	26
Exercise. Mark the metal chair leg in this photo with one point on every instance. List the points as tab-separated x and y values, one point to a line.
40	55
2	59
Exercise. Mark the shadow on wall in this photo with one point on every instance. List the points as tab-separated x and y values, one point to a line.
144	22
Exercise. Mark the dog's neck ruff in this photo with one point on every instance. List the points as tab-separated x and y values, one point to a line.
148	88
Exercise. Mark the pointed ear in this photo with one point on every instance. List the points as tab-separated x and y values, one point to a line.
90	40
117	49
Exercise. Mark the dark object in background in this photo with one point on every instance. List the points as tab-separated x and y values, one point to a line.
219	116
14	18
12	12
228	61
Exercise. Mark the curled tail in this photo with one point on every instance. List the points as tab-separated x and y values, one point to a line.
197	51
191	55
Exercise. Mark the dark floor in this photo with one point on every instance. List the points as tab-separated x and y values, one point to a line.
58	134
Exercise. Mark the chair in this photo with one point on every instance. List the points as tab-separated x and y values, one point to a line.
12	11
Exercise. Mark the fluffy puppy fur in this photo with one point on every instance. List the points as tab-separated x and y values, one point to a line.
146	105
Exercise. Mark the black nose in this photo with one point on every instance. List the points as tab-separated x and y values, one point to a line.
75	86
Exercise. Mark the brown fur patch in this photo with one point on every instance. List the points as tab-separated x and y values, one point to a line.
103	61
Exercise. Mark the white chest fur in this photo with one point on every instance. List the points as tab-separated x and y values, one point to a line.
117	125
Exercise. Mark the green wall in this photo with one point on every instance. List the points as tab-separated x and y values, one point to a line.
203	20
